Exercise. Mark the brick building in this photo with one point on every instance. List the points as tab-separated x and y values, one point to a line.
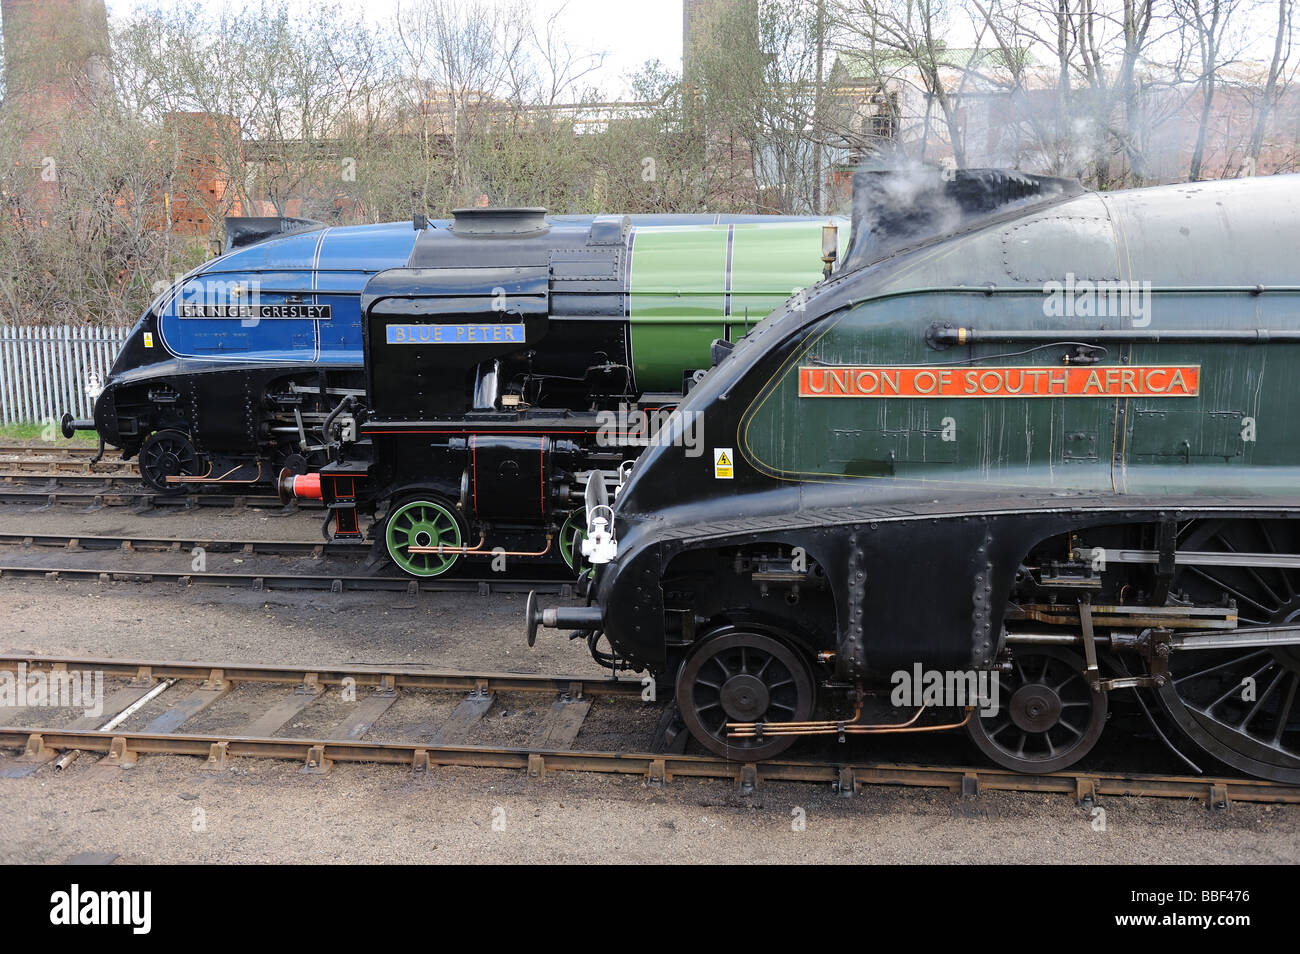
56	66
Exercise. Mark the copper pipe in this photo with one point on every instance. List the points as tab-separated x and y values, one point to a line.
751	730
880	730
443	550
205	479
813	724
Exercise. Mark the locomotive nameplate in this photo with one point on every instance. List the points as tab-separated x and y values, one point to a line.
454	334
1030	382
251	312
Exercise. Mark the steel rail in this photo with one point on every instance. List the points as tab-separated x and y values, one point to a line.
334	582
144	499
335	579
848	778
29	450
107	483
403	676
42	744
97	543
27	468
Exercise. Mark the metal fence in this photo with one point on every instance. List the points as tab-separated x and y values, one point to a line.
46	371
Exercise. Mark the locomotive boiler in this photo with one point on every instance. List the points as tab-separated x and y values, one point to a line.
1027	436
516	359
230	374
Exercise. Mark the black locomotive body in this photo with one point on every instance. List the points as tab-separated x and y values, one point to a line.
514	358
1016	444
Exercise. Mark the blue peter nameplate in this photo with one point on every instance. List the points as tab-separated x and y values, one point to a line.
455	334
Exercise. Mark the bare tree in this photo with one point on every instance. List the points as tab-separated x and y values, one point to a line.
1277	81
764	119
906	39
1209	24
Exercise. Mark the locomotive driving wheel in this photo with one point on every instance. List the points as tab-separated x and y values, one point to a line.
422	523
1242	706
572	533
737	676
168	454
1048	717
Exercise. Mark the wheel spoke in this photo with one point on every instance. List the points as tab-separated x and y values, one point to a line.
1284	710
1068	679
1262	698
1241	597
1251	571
1235	689
1281	571
1223	665
1002	727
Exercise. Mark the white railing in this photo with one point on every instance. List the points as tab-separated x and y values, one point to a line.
45	371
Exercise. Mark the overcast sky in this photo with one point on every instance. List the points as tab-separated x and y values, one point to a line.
629	32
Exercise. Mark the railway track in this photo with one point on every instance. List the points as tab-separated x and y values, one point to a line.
29	469
143	544
67	480
69	451
330	575
176	708
45	476
58	492
25	462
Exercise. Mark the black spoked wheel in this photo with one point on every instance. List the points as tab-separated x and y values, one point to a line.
1048	716
1242	706
743	677
168	454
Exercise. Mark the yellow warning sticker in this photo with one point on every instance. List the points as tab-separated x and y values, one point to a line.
148	339
722	467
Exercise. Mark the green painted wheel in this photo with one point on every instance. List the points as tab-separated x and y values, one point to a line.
572	534
422	523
